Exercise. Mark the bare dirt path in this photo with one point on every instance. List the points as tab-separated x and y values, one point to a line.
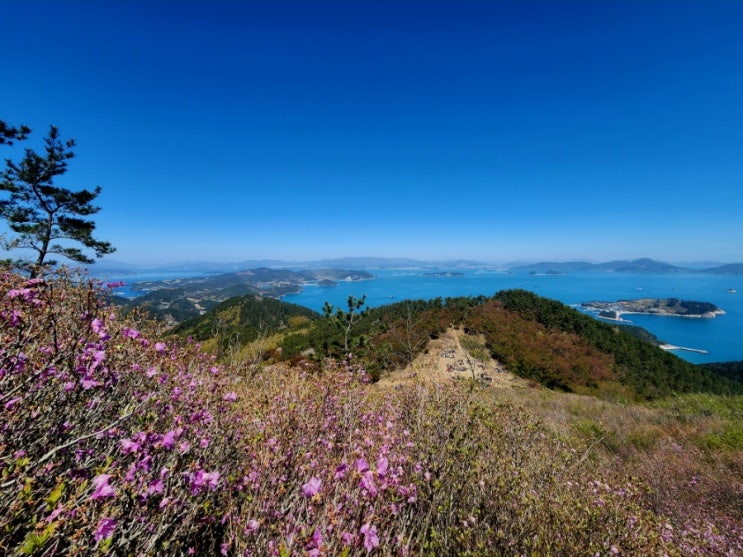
444	361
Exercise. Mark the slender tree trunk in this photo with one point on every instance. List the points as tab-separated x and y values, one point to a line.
36	269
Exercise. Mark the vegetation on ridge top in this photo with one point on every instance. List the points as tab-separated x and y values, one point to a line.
115	441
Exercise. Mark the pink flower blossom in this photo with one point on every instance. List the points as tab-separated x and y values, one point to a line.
130	333
252	526
15	318
105	529
89	383
367	484
156	486
168	439
347	538
382	466
129	446
55	513
204	480
102	489
317	538
230	397
371	540
312	487
160	347
97	326
12	402
361	466
340	471
25	293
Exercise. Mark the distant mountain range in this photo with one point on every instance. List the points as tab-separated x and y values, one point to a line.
644	265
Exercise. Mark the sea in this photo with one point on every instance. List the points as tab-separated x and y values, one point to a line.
720	337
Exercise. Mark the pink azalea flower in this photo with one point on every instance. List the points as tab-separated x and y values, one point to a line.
367	483
361	466
382	466
204	479
317	538
55	513
312	487
97	326
347	538
340	472
371	540
168	439
130	333
105	529
102	489
252	526
89	383
15	318
155	487
129	446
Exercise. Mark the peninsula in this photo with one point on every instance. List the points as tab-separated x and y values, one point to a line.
653	306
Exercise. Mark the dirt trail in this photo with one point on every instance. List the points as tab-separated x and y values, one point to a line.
445	361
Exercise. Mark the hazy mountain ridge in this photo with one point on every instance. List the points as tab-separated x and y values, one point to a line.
642	265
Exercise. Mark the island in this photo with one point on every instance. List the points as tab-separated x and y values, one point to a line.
653	306
443	274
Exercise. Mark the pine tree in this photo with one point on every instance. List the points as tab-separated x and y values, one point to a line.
8	134
42	214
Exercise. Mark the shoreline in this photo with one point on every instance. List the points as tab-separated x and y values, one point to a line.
667	347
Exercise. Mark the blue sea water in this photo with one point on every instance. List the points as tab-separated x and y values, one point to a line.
720	336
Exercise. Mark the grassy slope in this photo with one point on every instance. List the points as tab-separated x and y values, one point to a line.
116	441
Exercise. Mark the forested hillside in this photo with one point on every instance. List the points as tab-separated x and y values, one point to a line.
534	337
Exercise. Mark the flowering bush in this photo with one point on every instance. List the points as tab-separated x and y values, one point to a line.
114	441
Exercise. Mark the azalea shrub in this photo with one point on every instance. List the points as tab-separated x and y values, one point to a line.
113	440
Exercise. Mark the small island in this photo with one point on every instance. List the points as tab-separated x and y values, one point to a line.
443	274
653	306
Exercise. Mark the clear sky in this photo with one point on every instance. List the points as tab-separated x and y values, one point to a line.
492	130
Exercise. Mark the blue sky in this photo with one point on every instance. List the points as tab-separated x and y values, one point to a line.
498	131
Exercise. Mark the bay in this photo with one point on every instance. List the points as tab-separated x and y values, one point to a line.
720	336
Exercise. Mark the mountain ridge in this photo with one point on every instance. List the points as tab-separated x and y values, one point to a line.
644	264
